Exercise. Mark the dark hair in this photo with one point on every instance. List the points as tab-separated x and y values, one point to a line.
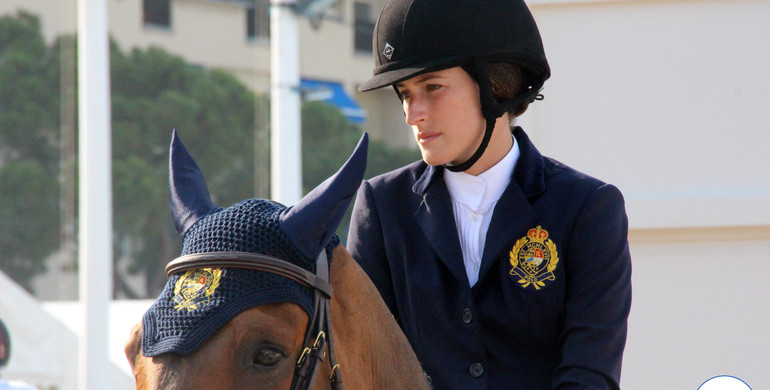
507	80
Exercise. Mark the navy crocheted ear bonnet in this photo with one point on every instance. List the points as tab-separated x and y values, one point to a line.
196	304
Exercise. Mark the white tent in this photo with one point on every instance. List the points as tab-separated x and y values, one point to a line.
45	341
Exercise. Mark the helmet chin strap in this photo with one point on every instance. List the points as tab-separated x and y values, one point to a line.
479	152
491	109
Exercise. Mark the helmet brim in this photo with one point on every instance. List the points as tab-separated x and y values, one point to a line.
391	77
538	70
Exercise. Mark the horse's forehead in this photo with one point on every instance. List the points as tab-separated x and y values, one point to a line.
281	324
251	225
195	304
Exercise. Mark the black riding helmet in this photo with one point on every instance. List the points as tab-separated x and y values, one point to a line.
412	37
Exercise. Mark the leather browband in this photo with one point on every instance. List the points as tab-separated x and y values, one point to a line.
252	261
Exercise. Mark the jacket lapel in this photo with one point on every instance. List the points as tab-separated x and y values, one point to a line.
512	216
514	213
435	217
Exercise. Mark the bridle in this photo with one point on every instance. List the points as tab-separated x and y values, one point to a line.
318	332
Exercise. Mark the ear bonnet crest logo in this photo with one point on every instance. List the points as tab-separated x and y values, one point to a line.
195	288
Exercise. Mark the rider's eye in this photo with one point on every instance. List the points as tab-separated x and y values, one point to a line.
268	356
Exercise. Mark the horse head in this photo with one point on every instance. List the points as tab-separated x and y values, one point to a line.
250	303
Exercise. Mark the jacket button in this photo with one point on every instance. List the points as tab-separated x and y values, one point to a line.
467	316
476	370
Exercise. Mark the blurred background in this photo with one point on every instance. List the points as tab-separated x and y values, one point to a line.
668	100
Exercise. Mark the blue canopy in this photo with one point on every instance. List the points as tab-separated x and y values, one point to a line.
333	93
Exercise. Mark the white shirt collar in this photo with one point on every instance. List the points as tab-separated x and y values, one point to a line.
478	191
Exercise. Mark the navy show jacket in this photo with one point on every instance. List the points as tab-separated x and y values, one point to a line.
550	308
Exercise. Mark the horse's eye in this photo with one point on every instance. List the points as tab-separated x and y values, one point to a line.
268	357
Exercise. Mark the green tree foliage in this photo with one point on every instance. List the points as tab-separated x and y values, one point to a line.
27	73
27	218
215	115
153	92
28	149
328	138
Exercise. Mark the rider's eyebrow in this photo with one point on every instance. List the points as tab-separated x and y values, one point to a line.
421	79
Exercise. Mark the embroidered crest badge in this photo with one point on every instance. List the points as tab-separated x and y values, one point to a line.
533	260
195	287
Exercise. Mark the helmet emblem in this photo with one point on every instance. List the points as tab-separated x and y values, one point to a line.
388	51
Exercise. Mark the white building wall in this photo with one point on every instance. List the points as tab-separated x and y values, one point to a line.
668	100
698	307
56	17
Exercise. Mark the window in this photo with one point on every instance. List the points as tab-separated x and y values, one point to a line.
258	19
364	27
157	13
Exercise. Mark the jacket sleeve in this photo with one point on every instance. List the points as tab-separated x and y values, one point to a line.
598	295
366	244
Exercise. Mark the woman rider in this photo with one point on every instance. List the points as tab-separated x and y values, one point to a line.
505	268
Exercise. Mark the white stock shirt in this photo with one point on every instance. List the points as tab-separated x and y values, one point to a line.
473	200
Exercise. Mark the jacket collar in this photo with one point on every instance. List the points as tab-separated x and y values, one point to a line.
530	169
529	172
513	213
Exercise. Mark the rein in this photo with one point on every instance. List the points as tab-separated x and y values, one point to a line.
318	332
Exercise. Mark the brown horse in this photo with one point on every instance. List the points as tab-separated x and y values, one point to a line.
372	351
242	315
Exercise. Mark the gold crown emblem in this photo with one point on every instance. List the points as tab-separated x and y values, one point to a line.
537	234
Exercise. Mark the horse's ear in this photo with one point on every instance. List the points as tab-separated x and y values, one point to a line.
314	219
188	195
